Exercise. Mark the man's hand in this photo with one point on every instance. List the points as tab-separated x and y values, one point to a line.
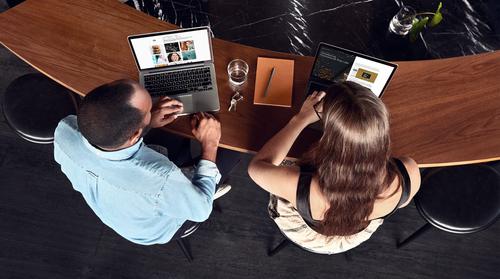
206	129
165	112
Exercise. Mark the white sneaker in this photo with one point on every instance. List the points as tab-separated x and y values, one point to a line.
222	190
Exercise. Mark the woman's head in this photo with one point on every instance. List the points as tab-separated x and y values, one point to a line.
352	115
352	156
174	57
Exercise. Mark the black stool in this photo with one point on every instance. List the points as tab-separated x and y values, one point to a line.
285	241
34	104
461	200
184	243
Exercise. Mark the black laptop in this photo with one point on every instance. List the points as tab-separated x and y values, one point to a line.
335	64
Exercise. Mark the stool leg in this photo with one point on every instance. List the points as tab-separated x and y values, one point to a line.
416	234
284	242
183	245
217	207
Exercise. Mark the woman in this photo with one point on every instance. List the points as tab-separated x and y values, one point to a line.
174	57
347	183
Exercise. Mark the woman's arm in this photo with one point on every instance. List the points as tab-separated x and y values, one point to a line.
414	173
264	168
276	149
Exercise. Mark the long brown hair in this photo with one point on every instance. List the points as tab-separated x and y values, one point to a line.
352	158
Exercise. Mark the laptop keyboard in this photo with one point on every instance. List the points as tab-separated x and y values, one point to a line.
178	82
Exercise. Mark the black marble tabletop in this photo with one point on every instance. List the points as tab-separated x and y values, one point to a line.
297	26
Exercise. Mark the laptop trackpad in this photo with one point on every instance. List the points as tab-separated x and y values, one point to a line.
187	102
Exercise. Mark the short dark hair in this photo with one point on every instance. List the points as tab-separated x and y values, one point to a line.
106	118
171	55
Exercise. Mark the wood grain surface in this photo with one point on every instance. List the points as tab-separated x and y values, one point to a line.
443	112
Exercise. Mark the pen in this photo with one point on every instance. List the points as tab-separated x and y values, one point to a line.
269	81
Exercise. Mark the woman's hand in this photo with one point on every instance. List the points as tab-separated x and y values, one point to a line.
307	114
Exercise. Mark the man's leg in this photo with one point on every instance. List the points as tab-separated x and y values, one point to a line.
226	160
178	147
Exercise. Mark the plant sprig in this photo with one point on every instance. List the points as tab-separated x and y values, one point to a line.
419	24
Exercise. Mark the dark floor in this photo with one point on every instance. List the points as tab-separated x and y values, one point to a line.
47	231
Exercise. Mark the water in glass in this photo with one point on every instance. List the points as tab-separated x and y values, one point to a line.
237	71
402	22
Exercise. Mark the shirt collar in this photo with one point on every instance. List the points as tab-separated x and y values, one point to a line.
118	155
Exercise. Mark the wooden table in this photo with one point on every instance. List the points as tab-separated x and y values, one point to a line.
443	112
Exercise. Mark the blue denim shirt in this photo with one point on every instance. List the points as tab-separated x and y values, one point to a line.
136	191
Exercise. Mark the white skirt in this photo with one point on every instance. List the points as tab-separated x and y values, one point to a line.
293	226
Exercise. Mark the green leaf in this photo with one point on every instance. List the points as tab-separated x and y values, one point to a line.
417	28
436	19
439	7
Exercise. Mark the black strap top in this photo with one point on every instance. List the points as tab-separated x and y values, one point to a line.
304	187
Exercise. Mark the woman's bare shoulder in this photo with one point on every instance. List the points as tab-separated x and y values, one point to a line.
414	173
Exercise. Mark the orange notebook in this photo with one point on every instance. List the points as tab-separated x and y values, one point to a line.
279	92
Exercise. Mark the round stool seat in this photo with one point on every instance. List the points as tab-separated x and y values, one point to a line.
462	199
191	230
34	104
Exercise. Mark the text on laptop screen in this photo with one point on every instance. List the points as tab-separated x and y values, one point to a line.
337	65
164	50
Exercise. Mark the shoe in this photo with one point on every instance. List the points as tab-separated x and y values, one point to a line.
222	190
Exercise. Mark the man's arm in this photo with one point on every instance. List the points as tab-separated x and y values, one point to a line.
192	200
206	129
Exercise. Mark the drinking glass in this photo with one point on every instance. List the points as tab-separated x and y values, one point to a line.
402	22
237	71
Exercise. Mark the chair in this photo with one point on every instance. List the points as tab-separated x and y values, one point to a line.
285	241
460	200
295	231
34	104
184	243
182	240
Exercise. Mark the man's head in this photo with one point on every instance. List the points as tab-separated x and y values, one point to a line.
115	115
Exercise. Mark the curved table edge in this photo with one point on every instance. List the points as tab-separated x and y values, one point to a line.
424	165
42	71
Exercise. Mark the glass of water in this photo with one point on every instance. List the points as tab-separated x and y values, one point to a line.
402	22
237	71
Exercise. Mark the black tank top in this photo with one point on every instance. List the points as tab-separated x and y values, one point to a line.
304	187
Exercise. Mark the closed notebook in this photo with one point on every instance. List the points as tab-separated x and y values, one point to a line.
280	89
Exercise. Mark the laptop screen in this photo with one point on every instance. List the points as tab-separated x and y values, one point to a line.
335	64
171	48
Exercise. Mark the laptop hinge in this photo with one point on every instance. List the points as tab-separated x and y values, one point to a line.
177	67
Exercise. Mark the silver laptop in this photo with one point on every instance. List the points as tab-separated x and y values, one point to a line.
178	64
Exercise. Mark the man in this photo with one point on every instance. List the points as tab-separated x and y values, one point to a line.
133	189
